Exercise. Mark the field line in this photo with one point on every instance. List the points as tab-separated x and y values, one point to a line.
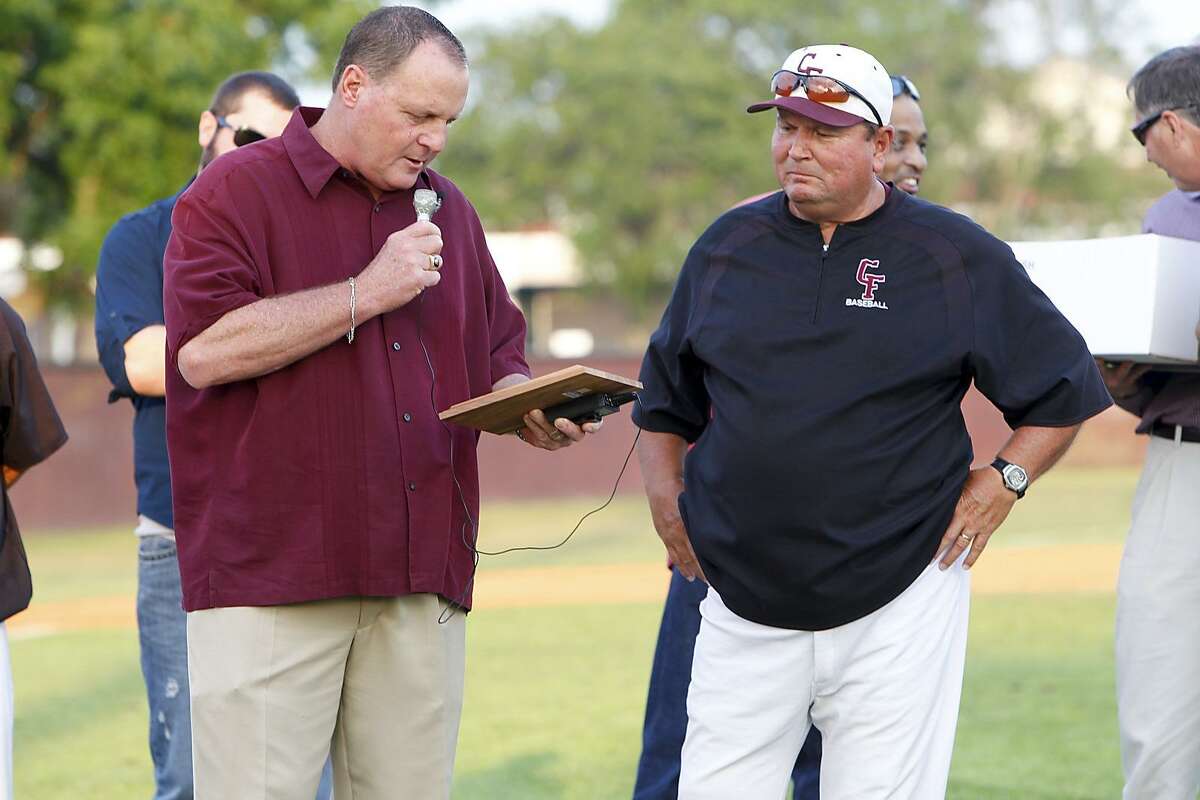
1047	569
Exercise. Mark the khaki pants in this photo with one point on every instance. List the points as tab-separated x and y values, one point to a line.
273	687
1158	628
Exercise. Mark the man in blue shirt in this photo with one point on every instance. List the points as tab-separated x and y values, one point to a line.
131	339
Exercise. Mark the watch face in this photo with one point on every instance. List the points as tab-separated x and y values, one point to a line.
1015	477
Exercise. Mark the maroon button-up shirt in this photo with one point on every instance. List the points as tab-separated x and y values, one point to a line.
333	476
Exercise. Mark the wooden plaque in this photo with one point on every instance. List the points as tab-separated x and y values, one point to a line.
502	411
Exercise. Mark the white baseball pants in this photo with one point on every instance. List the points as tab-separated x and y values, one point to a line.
883	690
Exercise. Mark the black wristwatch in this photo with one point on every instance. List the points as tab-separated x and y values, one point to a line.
1016	479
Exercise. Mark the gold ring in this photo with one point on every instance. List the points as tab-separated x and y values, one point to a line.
557	436
435	262
967	539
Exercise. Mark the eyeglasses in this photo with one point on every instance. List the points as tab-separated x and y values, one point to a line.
1141	129
241	136
817	88
902	85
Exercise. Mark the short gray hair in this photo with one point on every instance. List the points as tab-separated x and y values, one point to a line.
1170	80
383	39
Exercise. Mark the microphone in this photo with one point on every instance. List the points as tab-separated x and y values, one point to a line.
426	202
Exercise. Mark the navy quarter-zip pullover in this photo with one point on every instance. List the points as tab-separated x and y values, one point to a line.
822	389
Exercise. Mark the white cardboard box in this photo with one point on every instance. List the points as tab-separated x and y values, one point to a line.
1134	298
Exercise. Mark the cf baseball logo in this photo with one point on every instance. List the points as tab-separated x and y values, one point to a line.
868	280
803	70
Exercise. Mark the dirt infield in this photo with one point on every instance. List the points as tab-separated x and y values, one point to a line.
1016	570
1025	570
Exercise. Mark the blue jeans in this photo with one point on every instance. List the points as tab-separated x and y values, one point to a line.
325	790
162	631
666	706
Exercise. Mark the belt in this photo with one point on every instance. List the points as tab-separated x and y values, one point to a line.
1168	432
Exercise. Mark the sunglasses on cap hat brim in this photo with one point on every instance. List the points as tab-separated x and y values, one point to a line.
814	96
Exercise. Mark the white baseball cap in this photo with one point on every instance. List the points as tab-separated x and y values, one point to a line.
805	73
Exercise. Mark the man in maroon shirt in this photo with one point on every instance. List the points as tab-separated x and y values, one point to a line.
324	515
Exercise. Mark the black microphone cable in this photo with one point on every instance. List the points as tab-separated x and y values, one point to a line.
469	520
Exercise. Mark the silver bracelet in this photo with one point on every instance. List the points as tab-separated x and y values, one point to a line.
350	335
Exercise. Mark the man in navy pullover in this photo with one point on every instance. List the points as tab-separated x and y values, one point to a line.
815	352
666	714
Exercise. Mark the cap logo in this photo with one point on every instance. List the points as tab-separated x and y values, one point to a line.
803	70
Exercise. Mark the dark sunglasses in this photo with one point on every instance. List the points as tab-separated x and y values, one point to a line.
1140	130
817	88
241	136
902	85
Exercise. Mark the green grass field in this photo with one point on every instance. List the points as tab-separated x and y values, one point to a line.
555	694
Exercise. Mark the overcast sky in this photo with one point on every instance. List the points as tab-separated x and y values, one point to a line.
1150	25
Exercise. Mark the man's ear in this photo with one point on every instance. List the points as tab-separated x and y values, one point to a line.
207	129
1181	127
353	81
1176	125
882	145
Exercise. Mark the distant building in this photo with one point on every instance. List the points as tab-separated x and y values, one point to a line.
58	336
569	315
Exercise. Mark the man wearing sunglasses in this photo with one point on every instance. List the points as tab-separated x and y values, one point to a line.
905	162
816	350
131	340
1157	628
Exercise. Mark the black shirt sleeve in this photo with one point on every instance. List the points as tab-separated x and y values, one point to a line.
31	427
1026	357
674	398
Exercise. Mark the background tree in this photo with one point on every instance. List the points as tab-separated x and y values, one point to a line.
633	136
105	96
630	137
